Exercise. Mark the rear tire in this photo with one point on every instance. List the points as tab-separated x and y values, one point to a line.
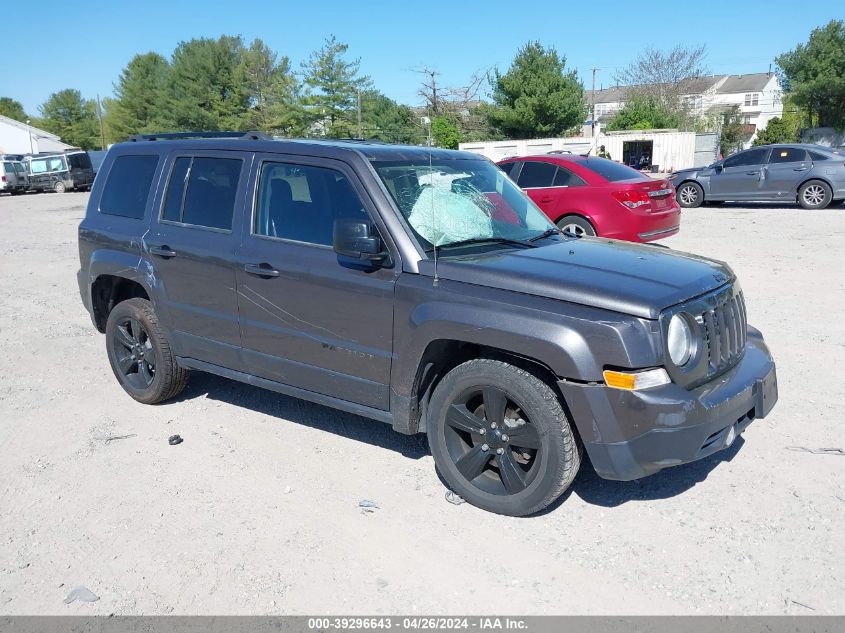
140	354
500	438
576	225
814	194
690	195
59	187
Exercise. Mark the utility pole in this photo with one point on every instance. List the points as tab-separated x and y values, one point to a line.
593	116
100	117
29	131
360	129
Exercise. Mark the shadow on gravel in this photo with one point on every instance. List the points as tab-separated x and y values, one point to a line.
308	414
667	483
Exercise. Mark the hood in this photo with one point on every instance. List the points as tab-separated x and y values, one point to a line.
634	279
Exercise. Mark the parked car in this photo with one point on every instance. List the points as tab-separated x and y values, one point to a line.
421	288
60	172
812	175
13	177
587	195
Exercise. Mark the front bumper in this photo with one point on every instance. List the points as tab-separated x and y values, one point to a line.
632	434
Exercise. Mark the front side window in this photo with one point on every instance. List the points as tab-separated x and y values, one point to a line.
302	202
751	157
451	201
201	192
787	155
536	174
128	186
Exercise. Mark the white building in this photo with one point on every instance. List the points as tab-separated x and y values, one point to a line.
20	138
758	95
666	150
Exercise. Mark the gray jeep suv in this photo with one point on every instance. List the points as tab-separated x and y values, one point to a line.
420	288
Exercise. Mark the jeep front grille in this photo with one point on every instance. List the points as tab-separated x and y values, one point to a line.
724	332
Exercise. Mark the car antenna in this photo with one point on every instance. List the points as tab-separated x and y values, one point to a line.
427	122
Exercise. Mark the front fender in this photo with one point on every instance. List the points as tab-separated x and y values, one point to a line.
576	342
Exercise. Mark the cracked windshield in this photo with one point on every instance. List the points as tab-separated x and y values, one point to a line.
459	201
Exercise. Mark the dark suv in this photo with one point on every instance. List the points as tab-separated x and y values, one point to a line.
420	288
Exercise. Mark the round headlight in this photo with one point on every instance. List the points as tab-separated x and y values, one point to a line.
679	340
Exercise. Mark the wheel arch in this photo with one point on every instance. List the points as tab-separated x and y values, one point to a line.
810	179
114	277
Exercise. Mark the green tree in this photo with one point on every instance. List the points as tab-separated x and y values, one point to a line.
333	83
12	109
445	132
537	96
273	92
734	133
205	88
386	120
139	97
815	75
778	130
644	113
72	118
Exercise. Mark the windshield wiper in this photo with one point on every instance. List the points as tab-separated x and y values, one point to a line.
547	233
482	240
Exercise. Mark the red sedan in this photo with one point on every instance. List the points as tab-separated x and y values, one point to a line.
587	195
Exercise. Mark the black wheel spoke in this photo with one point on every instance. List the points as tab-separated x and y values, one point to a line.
524	436
459	417
124	336
494	404
472	463
146	374
125	364
513	477
136	331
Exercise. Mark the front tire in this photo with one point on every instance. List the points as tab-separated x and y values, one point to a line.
690	195
814	194
500	438
140	354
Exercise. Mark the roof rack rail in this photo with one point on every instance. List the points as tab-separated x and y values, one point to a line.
252	136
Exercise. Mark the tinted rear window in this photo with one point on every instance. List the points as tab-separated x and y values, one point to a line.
536	174
816	156
609	170
202	192
9	168
128	186
79	161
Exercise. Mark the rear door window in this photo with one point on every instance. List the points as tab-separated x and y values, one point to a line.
201	192
127	188
787	155
536	174
565	178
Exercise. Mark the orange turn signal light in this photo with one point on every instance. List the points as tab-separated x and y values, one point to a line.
636	380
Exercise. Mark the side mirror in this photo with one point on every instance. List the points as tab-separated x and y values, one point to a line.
717	167
353	238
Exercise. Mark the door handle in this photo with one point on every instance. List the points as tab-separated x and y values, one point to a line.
751	173
800	169
261	270
163	251
545	200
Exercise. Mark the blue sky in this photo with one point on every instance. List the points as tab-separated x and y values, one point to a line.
85	44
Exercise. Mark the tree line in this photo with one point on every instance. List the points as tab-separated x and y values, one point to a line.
229	84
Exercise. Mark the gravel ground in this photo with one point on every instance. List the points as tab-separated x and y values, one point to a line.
257	511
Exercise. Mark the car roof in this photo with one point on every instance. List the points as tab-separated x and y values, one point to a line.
330	148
